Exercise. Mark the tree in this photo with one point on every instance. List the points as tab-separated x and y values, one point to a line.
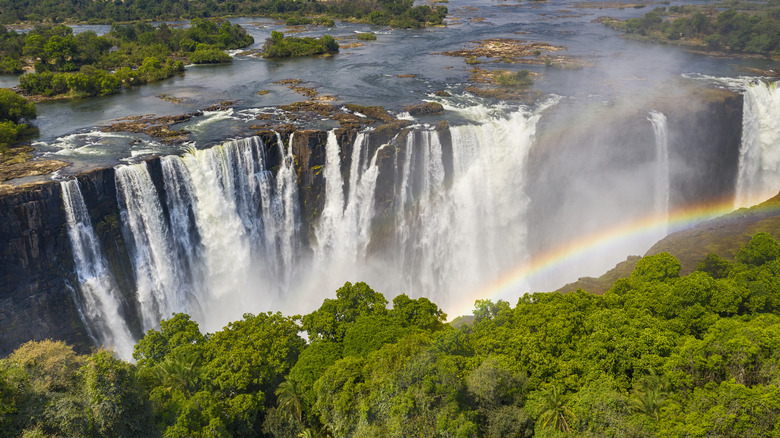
287	400
761	249
333	318
649	396
15	108
657	267
554	411
178	331
420	313
714	265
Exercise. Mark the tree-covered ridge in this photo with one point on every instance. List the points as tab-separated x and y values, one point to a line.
659	354
397	13
130	54
751	27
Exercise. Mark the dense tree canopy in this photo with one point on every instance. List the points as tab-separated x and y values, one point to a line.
659	354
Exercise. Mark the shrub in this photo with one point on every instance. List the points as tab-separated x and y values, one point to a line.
366	36
517	79
209	56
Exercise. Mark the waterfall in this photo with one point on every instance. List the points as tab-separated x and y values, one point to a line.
662	165
286	207
461	236
99	303
344	229
161	289
228	240
759	154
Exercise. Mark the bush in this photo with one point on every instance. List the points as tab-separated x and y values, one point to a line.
518	79
366	36
279	46
209	56
9	132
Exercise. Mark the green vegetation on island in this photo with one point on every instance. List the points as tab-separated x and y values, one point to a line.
659	354
280	46
131	54
396	13
750	27
15	116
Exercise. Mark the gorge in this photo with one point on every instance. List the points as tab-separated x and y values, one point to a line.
280	219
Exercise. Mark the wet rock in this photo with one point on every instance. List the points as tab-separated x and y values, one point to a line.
424	109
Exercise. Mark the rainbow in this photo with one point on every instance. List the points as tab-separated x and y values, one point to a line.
514	283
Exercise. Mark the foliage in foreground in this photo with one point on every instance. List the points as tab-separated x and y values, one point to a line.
657	355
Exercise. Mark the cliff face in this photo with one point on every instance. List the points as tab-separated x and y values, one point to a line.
36	267
36	299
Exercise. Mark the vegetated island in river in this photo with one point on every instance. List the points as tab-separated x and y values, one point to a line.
86	64
746	27
659	354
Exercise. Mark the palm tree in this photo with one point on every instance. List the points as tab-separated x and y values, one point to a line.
650	396
555	412
179	370
288	401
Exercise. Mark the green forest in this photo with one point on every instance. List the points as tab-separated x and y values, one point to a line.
130	54
750	27
659	354
397	13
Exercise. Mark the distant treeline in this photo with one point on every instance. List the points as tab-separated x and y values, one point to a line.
742	31
659	354
398	13
88	65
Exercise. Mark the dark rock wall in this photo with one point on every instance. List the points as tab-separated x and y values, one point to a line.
36	301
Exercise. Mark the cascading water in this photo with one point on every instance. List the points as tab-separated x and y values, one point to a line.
461	236
759	155
161	289
228	242
99	303
662	183
231	240
449	235
344	229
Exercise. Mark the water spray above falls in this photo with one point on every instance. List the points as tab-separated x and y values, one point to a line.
99	302
759	155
